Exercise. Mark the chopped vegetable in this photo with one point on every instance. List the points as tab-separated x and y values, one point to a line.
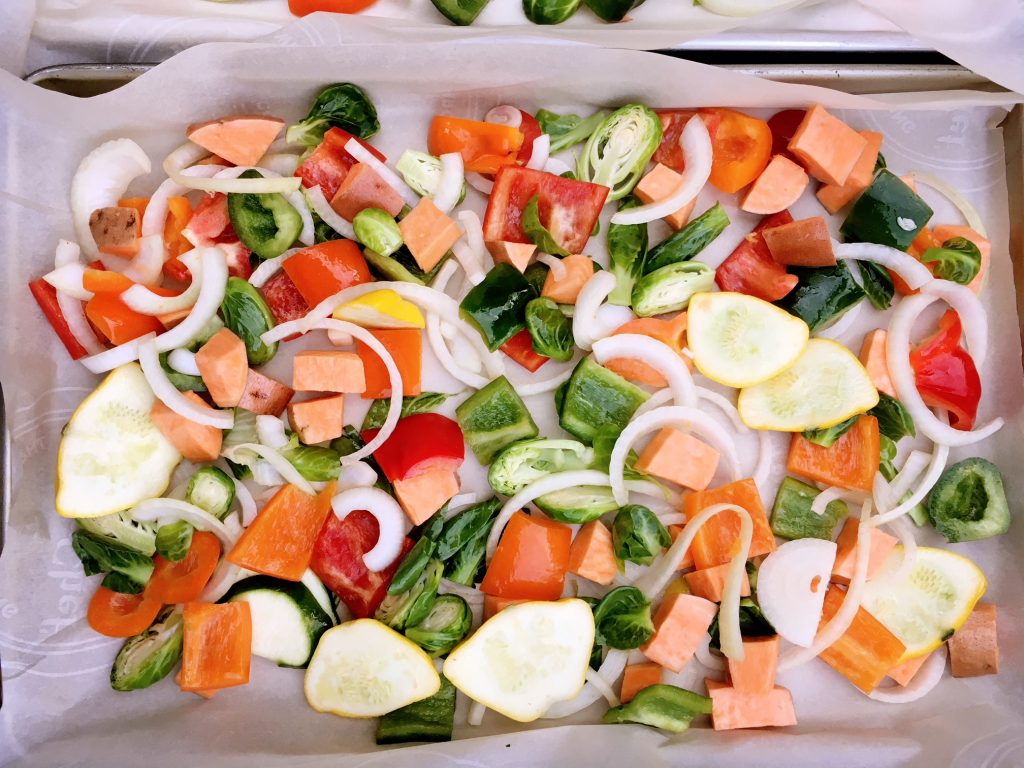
638	536
217	646
266	223
122	529
597	398
531	559
419	443
827	437
211	490
670	288
248	317
715	542
793	518
969	502
946	375
497	305
627	251
617	152
661	706
150	656
888	212
465	526
752	269
444	627
325	269
742	148
681	623
688	241
173	540
421	171
822	295
342	105
119	614
485	147
405	345
494	418
550	11
550	330
568	130
592	554
827	146
409	608
623	619
102	555
431	719
732	708
612	10
851	462
974	648
184	580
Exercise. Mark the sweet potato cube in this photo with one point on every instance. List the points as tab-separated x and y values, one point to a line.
717	540
732	708
224	367
835	196
364	188
318	420
428	233
905	671
866	651
327	370
974	648
756	673
578	269
827	146
116	230
802	243
196	442
518	255
421	496
592	555
679	458
864	169
872	357
675	531
660	182
709	583
239	139
680	623
846	555
264	395
637	677
778	187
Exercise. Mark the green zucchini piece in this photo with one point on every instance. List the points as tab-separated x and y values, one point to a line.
430	719
688	241
287	619
793	518
661	706
597	398
497	305
493	418
969	502
888	212
822	295
150	656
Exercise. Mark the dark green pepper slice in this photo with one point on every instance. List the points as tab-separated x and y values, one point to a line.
267	224
497	306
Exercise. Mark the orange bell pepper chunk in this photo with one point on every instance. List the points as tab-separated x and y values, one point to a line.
406	347
742	147
322	270
484	147
280	540
116	614
851	462
183	581
104	281
217	646
179	211
531	559
716	541
112	318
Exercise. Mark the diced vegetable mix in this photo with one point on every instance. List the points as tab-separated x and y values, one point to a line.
386	521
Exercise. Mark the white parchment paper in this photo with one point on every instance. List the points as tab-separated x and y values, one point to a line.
58	708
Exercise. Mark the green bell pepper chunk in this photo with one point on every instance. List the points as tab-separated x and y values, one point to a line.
497	306
661	706
793	518
597	399
494	418
267	224
969	502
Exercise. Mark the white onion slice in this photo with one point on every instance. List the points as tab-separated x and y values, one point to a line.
741	8
763	468
611	317
915	464
466	258
183	361
392	179
725	406
672	518
707	659
656	400
504	114
791	585
834	493
267	269
847	612
330	217
553	263
146	302
611	670
474	234
695	143
914	273
556	481
392	521
245	501
444	356
226	575
475	715
169	395
974	319
931	477
557	167
449	187
270	431
677	416
280	464
970	213
66	252
79	325
847	320
147	265
585	328
187	154
101	179
172	510
281	163
927	677
479	182
897	355
539	153
68	279
656	354
155	217
264	474
470	594
594	678
357	474
905	533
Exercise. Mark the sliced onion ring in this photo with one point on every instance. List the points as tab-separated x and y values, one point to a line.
553	263
101	179
970	213
391	519
169	395
275	460
146	302
914	273
539	153
610	671
927	677
328	215
172	510
183	361
479	182
656	354
504	114
585	328
449	188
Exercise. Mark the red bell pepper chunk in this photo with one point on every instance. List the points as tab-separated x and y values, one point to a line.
330	163
283	298
210	224
419	444
672	123
531	131
946	375
568	208
520	348
783	125
338	561
531	559
751	269
46	297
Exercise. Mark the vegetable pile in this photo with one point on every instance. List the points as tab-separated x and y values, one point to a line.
222	490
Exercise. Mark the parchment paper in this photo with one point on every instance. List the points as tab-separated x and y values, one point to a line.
58	708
